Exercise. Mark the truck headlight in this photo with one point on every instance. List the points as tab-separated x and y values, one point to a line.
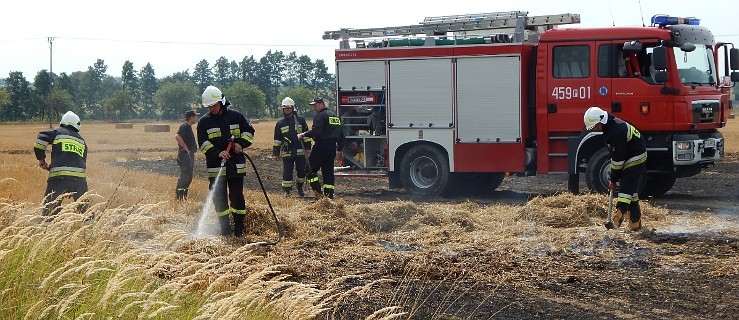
684	145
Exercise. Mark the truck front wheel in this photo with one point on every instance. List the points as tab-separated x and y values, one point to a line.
659	183
598	173
424	170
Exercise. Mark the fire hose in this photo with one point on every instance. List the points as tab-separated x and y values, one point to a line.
264	191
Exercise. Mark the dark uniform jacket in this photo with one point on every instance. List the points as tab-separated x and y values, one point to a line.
213	134
286	137
327	129
625	144
68	152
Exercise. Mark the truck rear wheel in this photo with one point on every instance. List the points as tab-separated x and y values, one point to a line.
424	170
598	173
658	184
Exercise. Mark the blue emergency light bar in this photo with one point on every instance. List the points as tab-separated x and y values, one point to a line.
663	20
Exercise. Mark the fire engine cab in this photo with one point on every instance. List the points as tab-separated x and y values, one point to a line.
456	102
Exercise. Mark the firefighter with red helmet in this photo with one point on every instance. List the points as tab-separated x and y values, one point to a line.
288	147
218	130
628	162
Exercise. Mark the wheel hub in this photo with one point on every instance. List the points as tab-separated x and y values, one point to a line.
424	172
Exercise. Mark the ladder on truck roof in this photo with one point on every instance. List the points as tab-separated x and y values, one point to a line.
435	26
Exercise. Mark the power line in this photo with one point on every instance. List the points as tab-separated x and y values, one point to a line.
197	43
21	40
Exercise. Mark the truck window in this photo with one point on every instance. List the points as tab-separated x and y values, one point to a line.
571	62
613	62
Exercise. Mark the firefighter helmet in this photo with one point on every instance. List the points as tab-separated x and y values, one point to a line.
288	102
212	95
70	119
593	116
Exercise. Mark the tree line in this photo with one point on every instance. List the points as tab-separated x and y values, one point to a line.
255	87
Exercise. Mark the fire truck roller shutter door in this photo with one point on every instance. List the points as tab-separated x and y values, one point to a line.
421	93
489	108
361	74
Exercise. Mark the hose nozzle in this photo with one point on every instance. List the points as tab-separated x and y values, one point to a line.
229	146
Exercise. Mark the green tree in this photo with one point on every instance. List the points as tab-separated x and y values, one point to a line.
269	78
222	73
120	105
234	72
248	98
302	97
202	76
173	99
249	69
40	94
147	88
304	70
60	101
129	77
19	95
181	76
4	98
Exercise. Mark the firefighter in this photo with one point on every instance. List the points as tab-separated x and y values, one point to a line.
68	162
628	162
218	129
329	143
288	147
186	155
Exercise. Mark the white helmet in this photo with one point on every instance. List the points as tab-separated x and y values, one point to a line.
70	119
593	116
288	102
212	95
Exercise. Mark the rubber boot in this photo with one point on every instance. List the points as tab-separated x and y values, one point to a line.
286	191
328	192
634	216
225	225
300	189
314	183
619	214
179	195
239	225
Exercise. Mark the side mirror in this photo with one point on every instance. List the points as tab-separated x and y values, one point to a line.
735	76
734	54
661	76
659	58
633	46
687	47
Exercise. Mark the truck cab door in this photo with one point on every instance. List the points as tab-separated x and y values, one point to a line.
570	86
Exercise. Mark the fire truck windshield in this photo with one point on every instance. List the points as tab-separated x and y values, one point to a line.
696	67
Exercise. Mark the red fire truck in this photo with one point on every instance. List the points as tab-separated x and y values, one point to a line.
456	102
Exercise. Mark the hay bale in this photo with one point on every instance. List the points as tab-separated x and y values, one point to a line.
124	125
156	128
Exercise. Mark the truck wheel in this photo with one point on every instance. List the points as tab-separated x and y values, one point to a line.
476	184
493	181
598	173
659	183
424	170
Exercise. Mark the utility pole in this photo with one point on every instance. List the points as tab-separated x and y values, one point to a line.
51	76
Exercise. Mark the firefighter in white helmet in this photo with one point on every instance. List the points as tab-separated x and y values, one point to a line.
218	129
628	162
289	147
68	162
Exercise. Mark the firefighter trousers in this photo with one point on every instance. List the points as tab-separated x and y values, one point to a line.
322	158
288	165
229	190
186	162
59	186
631	184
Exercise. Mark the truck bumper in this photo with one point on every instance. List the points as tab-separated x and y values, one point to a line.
697	149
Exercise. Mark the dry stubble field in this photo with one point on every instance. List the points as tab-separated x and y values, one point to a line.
373	253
